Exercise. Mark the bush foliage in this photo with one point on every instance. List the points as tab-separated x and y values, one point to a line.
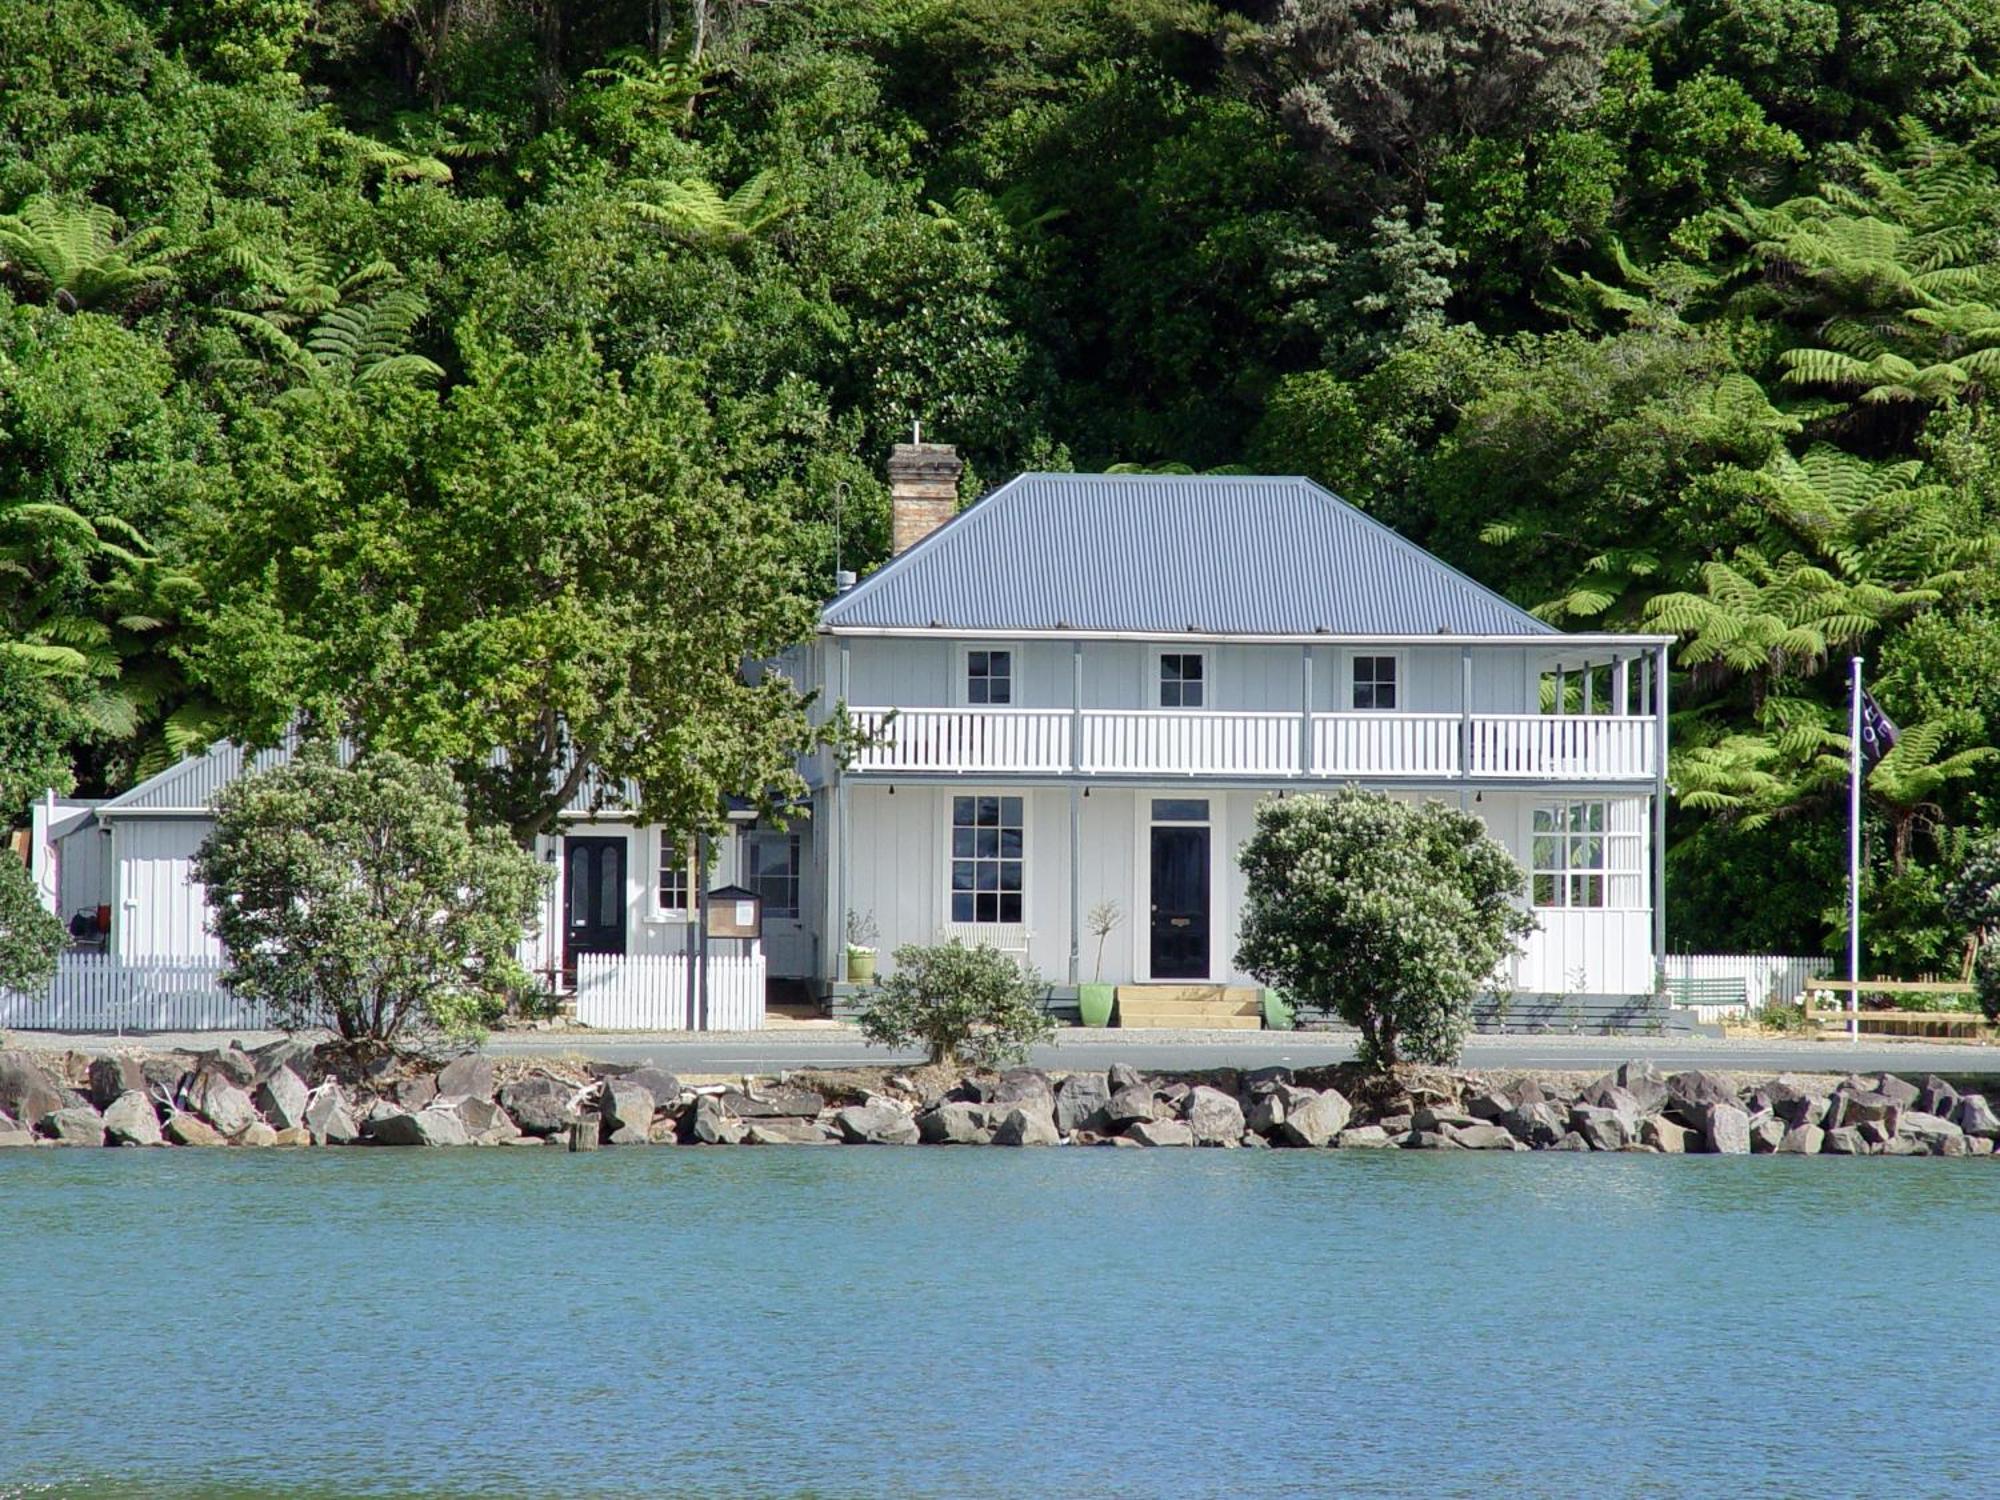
968	1005
30	938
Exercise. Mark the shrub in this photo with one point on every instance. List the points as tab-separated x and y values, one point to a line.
30	938
1973	902
360	900
973	1006
1391	916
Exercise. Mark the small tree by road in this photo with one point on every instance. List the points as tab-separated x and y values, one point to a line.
972	1006
1392	917
359	898
30	938
1973	901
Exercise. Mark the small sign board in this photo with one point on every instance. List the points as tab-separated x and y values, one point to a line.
735	912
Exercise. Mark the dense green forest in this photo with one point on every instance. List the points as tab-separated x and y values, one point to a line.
473	373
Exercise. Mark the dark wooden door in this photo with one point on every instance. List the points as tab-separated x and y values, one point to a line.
1180	903
593	898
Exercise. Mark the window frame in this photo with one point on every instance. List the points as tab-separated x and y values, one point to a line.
1156	683
962	679
750	877
1621	857
662	912
952	859
1351	678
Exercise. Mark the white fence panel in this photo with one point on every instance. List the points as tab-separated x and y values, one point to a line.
95	992
986	739
1607	747
1766	977
1208	743
1380	744
649	992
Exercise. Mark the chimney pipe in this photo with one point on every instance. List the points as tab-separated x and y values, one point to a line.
923	491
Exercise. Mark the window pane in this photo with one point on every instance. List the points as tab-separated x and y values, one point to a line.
1587	854
1191	695
1010	843
961	811
989	874
961	874
1170	669
962	842
1010	908
1546	888
1545	819
975	663
961	908
989	812
1385	695
1010	875
609	896
1548	854
579	886
989	844
1010	811
987	907
977	690
1180	809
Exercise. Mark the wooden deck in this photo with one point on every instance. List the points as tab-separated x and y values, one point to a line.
1203	1007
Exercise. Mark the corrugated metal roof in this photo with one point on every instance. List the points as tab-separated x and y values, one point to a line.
1209	554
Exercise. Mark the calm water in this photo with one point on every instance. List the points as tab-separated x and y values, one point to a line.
840	1322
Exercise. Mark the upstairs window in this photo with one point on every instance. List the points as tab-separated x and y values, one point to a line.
771	869
675	891
1183	677
989	677
987	862
1375	682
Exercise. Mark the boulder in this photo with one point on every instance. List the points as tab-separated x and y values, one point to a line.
286	1052
1978	1145
416	1091
165	1073
1032	1122
230	1062
1263	1080
1902	1145
1266	1113
1898	1091
768	1103
1844	1140
1850	1106
786	1130
1215	1118
879	1123
1689	1094
469	1076
1363	1137
666	1131
1953	1146
627	1112
709	1124
955	1124
424	1127
1766	1131
1932	1130
1427	1140
111	1077
298	1135
26	1092
665	1088
487	1123
1601	1128
1124	1076
1937	1097
1316	1121
256	1134
1876	1133
1643	1082
1489	1106
540	1104
1536	1122
1438	1117
1129	1105
1571	1142
220	1101
74	1125
1802	1140
1018	1084
1081	1103
185	1128
1726	1129
131	1121
1481	1136
1529	1091
281	1099
1795	1106
1663	1135
328	1117
1976	1117
1160	1133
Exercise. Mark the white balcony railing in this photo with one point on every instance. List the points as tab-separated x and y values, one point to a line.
1547	747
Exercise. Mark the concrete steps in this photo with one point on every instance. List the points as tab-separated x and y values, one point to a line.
1188	1007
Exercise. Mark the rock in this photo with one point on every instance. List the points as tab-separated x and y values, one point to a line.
1726	1129
1489	1107
1437	1117
1689	1094
627	1112
1953	1146
1901	1145
416	1091
1844	1140
879	1123
112	1077
185	1128
1861	1107
230	1062
1876	1133
1766	1131
1932	1130
1395	1124
255	1134
1571	1142
425	1127
1937	1098
1081	1103
711	1125
469	1076
1978	1145
1643	1082
769	1103
540	1104
1160	1133
1537	1122
1214	1118
328	1117
1482	1136
1032	1122
1123	1076
298	1135
1795	1106
666	1131
1602	1129
1802	1140
165	1074
1363	1138
955	1124
26	1092
131	1121
1528	1091
1171	1094
1663	1135
1129	1105
1976	1117
1251	1139
286	1052
1266	1113
74	1125
1898	1091
666	1088
281	1099
489	1125
1018	1084
221	1102
1427	1140
1316	1121
1262	1080
785	1130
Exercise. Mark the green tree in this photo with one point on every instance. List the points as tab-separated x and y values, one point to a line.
30	938
360	899
970	1006
1392	917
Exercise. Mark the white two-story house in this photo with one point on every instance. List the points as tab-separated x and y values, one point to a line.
1080	688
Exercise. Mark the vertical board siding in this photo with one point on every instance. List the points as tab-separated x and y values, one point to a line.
1768	978
649	992
97	992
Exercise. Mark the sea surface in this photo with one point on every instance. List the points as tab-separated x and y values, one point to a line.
879	1321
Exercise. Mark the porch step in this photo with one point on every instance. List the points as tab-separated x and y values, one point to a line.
1218	1007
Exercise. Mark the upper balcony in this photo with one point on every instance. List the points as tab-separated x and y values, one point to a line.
1259	746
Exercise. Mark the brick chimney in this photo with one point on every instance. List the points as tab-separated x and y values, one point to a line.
923	491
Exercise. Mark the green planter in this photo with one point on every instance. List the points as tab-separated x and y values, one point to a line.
860	965
1093	1003
1277	1011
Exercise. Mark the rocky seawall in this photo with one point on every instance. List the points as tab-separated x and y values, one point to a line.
290	1093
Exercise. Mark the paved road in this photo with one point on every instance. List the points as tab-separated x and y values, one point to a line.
829	1046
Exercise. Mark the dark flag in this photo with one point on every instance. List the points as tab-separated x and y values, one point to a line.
1878	731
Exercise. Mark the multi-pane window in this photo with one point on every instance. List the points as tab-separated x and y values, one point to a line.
676	885
989	677
1584	855
986	859
771	869
1182	675
1374	682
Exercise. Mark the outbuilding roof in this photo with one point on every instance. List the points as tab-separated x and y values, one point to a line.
1221	555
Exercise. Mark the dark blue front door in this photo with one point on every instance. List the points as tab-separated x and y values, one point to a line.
1180	903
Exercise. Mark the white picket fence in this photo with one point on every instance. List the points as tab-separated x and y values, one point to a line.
1765	977
649	992
95	992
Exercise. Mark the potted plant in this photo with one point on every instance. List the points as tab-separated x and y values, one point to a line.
862	936
1093	1000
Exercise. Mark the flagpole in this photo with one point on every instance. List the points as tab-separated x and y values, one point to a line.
1854	850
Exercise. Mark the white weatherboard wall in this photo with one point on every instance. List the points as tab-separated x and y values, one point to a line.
159	910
